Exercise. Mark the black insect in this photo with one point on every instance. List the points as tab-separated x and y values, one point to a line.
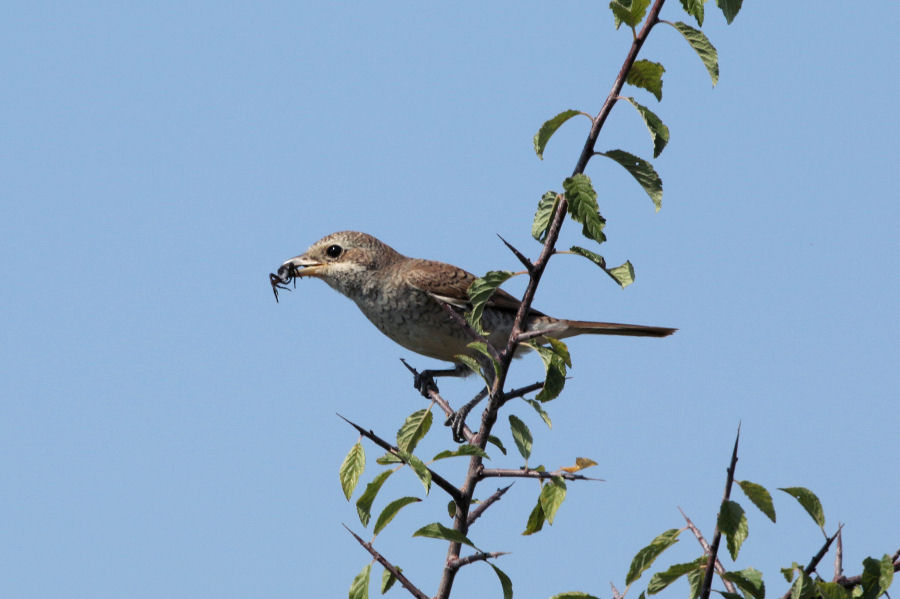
286	274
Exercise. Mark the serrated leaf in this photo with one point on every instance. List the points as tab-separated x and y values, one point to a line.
582	205
482	348
695	9
535	519
496	442
623	275
364	503
473	365
419	467
749	580
351	469
555	369
480	291
573	595
760	497
661	580
359	588
788	573
809	501
703	47
388	580
552	495
803	587
630	12
560	349
642	171
593	257
436	530
540	410
549	128
521	435
659	133
647	75
877	576
580	464
462	450
646	556
733	524
832	590
730	8
388	459
544	215
414	429
390	510
695	580
505	582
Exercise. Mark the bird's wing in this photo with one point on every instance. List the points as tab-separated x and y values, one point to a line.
449	284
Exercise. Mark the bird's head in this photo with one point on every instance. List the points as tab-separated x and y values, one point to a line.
344	260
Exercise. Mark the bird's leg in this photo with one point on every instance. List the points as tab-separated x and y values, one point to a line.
424	381
457	420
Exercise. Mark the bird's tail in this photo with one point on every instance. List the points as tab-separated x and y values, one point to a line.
582	327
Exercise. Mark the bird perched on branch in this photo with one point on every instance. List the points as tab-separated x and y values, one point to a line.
402	297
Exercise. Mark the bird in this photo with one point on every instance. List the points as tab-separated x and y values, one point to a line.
403	298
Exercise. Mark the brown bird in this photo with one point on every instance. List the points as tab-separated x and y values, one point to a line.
401	296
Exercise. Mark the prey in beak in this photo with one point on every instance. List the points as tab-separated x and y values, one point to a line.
290	271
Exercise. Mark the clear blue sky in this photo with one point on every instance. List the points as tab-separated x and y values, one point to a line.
168	430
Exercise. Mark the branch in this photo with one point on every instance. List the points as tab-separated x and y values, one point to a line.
476	513
717	536
852	581
529	473
440	481
435	396
720	569
475	557
514	393
414	591
839	557
811	566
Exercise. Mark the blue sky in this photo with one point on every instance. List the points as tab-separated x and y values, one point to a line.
167	429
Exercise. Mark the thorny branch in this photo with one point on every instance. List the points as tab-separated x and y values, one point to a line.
529	473
476	513
403	580
720	569
811	566
717	536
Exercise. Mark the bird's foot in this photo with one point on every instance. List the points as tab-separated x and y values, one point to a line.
457	420
424	383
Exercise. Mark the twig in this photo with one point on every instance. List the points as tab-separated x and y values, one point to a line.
852	581
514	393
811	566
839	557
529	473
717	536
615	592
476	513
403	580
522	258
440	481
720	569
475	557
435	396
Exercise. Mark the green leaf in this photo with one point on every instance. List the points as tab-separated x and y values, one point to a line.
535	519
630	12
728	595
573	595
388	459
480	291
695	9
695	580
647	75
646	556
877	576
414	429
659	133
703	47
733	523
505	582
788	573
749	580
560	349
582	203
419	467
809	501
555	369
496	442
549	128
803	587
521	435
482	348
351	468
540	410
364	503
729	8
832	590
436	530
388	580
544	215
473	365
623	275
359	588
552	495
642	171
760	497
661	580
462	450
390	510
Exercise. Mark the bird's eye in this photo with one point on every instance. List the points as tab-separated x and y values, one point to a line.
333	251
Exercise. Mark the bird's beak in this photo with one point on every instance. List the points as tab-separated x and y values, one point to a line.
299	266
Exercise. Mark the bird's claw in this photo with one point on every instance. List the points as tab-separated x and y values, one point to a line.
424	384
457	424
